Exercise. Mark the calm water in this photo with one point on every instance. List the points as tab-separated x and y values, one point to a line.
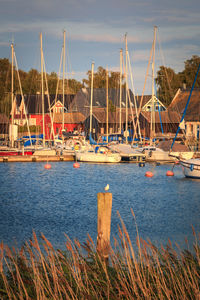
64	200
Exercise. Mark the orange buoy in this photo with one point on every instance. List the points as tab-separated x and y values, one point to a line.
149	174
170	173
76	165
47	166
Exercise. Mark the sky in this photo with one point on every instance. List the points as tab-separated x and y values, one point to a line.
95	32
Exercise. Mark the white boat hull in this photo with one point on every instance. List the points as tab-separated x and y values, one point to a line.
97	157
191	168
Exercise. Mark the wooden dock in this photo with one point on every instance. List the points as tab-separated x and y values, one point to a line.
34	158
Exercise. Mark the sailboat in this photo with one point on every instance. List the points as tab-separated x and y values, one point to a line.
44	151
99	153
126	151
191	167
152	152
11	149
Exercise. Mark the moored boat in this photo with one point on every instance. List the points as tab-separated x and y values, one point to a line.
191	167
98	155
127	153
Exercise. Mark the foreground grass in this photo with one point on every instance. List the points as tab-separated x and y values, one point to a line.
38	271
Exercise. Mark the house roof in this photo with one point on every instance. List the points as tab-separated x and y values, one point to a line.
3	119
69	118
113	117
165	116
33	103
145	99
81	101
179	103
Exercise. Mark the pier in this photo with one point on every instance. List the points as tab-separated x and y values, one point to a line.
34	158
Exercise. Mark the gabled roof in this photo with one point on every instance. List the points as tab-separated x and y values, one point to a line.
81	101
113	117
145	99
179	102
33	103
166	117
69	118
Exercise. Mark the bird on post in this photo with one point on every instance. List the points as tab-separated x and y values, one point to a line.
106	187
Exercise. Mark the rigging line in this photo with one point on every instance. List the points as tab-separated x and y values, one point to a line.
137	120
20	87
127	91
186	105
163	59
50	113
159	109
147	73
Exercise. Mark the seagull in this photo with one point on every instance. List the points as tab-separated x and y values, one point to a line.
106	187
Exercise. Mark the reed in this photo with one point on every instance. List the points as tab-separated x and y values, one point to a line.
38	271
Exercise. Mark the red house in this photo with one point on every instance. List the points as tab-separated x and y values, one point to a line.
31	109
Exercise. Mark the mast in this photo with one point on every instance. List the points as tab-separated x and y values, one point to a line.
63	78
91	97
107	104
126	127
12	97
152	135
120	93
42	91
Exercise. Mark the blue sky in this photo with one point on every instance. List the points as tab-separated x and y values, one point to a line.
95	31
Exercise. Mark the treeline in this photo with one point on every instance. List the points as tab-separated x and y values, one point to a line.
167	81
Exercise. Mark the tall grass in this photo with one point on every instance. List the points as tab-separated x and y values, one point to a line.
38	271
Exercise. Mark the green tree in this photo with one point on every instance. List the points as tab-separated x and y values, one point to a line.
188	75
168	83
5	86
99	79
32	82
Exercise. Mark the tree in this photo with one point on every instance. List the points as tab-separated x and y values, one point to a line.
168	83
99	80
31	84
188	75
5	86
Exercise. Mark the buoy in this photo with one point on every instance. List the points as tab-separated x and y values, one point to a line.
47	166
76	165
149	174
170	173
141	164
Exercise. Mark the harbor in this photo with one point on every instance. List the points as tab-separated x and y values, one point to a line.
63	200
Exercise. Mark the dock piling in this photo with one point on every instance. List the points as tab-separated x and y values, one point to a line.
104	207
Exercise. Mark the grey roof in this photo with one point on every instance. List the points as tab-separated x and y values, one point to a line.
82	99
33	103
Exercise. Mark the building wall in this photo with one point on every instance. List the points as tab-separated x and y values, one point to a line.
192	130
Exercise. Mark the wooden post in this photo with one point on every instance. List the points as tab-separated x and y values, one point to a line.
104	207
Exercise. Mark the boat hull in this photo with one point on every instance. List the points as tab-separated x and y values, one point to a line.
97	157
191	168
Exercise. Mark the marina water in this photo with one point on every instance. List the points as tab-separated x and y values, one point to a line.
63	200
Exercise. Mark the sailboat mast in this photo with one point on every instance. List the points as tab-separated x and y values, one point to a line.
126	128
42	91
120	93
107	104
63	78
91	97
153	90
12	96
